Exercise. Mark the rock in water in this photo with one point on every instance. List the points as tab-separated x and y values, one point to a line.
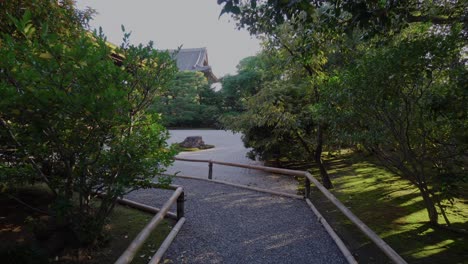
192	142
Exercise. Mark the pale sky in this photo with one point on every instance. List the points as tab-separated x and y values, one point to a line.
171	23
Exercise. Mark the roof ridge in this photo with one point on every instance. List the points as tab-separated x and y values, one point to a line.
194	49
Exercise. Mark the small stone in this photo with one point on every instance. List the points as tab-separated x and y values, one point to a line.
192	142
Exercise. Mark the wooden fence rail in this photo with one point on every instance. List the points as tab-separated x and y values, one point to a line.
178	198
392	254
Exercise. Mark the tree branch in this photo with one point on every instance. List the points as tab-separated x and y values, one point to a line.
30	159
27	205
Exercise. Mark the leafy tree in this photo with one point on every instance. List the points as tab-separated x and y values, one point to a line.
274	123
374	17
210	106
61	17
189	102
406	103
236	89
392	100
305	48
73	119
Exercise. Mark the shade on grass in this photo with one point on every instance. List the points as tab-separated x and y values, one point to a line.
394	209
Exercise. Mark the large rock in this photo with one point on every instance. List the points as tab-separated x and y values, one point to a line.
193	142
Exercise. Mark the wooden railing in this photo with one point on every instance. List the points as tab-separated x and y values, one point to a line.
394	256
178	198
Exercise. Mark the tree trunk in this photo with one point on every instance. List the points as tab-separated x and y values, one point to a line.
442	211
305	145
430	206
318	159
69	163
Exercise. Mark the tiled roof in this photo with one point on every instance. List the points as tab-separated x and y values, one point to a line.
193	60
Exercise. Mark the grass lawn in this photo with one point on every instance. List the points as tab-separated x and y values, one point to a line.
394	209
21	244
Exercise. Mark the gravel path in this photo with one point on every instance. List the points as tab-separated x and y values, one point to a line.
232	225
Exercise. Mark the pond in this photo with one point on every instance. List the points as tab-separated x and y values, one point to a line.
229	148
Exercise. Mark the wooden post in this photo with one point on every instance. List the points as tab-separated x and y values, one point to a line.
210	170
180	206
307	187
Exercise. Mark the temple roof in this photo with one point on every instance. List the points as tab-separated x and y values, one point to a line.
194	60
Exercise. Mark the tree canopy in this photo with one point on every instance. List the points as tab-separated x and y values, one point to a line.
188	102
386	75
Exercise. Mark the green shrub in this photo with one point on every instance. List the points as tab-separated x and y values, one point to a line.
76	119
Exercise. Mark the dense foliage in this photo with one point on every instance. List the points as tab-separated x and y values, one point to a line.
406	102
237	89
189	101
74	118
386	76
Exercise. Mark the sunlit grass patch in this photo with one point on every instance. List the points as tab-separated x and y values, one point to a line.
393	208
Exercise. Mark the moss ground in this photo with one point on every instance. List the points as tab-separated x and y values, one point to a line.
393	208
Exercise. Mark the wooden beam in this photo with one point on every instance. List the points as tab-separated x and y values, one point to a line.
140	239
361	225
254	167
144	207
341	246
295	196
167	242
